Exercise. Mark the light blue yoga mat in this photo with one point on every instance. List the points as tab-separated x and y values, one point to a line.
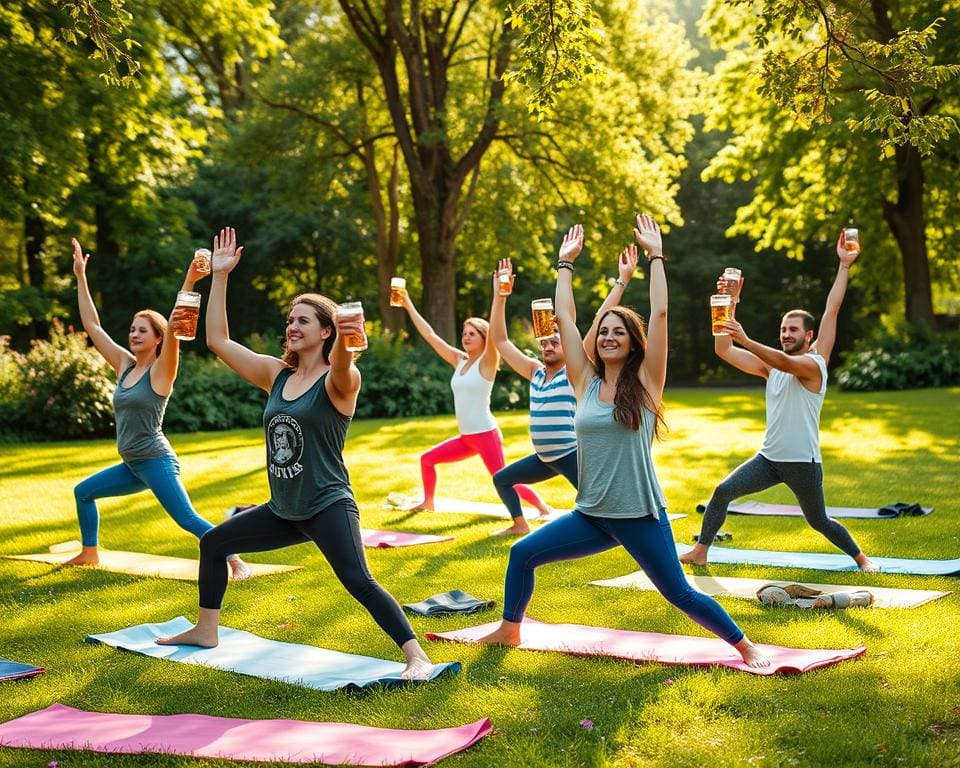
249	654
13	670
822	561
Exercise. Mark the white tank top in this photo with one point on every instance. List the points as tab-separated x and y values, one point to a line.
793	416
471	399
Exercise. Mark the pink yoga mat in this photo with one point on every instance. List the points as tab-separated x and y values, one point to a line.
288	741
373	538
580	640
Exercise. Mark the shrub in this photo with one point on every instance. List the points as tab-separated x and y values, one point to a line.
907	358
210	396
67	389
11	389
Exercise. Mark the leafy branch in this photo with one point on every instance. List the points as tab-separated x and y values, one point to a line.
104	25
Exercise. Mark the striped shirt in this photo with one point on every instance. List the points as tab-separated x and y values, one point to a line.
553	406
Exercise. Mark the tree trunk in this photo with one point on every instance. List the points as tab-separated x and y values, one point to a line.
906	222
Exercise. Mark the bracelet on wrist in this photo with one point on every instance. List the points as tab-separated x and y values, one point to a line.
565	265
620	282
651	259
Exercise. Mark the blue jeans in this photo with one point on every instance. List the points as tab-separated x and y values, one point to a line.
648	540
161	475
531	469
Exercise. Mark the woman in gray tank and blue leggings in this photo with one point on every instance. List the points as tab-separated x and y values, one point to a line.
619	411
313	394
145	375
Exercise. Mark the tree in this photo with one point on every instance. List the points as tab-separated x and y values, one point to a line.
836	111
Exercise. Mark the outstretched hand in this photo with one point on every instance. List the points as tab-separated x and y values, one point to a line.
226	254
79	260
846	255
572	244
505	267
647	235
734	330
194	275
627	262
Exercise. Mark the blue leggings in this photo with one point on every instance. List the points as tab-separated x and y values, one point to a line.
161	475
648	540
531	469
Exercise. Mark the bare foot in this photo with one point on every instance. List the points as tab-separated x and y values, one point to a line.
696	556
508	633
866	564
519	528
87	556
546	511
239	570
752	656
423	506
417	669
195	636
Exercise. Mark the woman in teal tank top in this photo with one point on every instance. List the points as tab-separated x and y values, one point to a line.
619	411
313	394
145	376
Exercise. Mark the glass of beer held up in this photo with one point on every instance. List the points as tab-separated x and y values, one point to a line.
505	282
731	276
201	260
397	286
187	312
354	342
543	319
851	239
720	304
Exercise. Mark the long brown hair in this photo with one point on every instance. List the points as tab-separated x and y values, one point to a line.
631	396
157	321
324	309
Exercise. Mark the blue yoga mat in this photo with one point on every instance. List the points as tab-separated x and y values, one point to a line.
822	561
11	670
249	654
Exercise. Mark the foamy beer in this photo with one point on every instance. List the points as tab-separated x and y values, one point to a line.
504	281
851	240
201	259
731	276
353	342
720	304
542	310
187	311
397	287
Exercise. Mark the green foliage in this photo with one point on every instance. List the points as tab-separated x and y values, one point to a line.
11	388
67	388
210	396
907	358
104	24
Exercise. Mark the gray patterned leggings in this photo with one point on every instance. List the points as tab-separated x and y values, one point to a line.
804	478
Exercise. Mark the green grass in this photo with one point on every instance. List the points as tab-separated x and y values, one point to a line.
898	705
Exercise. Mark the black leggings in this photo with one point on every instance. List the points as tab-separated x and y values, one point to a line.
335	530
804	478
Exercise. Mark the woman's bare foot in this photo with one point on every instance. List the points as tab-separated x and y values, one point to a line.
866	564
519	528
87	556
752	656
239	570
546	511
427	505
419	666
205	638
696	556
508	633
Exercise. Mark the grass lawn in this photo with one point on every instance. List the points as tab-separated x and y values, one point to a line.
899	705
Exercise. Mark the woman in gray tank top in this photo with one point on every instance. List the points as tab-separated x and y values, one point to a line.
145	375
313	394
619	411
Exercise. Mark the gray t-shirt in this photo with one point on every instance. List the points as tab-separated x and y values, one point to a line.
138	411
616	477
305	438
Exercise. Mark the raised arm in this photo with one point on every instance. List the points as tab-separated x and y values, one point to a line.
801	366
723	346
523	364
653	369
344	379
579	368
827	335
116	356
259	370
449	353
626	265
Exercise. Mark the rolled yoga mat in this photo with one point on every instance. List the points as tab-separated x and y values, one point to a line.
729	586
284	741
822	561
581	640
14	670
249	654
888	512
140	563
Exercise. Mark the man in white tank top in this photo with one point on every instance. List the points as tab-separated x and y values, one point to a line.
796	378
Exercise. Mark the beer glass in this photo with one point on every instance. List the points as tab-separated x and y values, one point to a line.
542	310
731	276
187	310
201	259
505	281
720	304
397	286
851	239
353	342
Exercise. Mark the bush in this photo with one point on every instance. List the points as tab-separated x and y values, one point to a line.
67	389
908	358
11	389
208	395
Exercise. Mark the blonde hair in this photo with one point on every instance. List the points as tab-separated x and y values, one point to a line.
157	321
480	325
